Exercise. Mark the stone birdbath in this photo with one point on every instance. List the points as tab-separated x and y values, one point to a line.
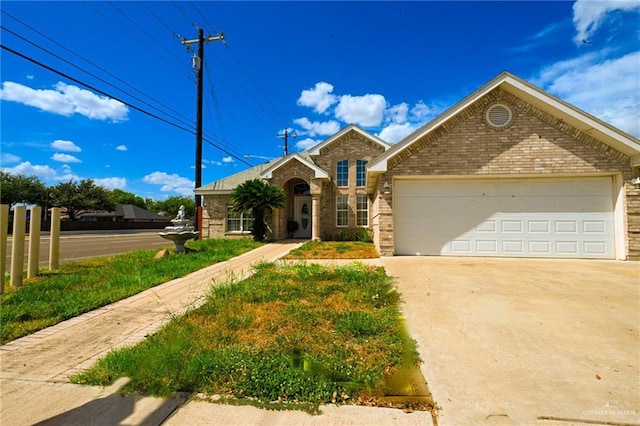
180	232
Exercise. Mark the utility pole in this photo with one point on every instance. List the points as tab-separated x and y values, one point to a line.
286	137
198	64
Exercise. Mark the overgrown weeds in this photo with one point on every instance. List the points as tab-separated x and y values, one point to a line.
82	286
334	250
290	336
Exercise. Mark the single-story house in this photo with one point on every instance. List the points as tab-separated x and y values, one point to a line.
510	170
124	213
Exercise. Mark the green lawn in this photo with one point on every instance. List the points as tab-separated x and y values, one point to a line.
293	336
79	287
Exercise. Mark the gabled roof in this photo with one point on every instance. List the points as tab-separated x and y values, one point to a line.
575	117
319	173
229	183
133	212
127	212
315	150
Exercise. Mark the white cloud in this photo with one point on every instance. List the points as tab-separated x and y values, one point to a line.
319	98
65	146
122	148
28	169
366	111
397	113
588	15
588	83
228	159
421	112
305	144
171	183
215	163
65	100
396	132
112	182
65	158
5	158
314	128
30	77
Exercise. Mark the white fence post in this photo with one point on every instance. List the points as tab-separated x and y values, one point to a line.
54	241
34	241
4	225
17	248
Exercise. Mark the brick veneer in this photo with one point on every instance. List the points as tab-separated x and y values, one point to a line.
351	146
535	143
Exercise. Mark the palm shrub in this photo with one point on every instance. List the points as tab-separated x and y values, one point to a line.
257	196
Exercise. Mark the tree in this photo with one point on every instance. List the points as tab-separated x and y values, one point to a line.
19	188
81	197
118	196
257	196
171	205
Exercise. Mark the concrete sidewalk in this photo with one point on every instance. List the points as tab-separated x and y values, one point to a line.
34	370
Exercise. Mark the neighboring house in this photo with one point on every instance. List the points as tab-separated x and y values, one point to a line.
508	171
124	213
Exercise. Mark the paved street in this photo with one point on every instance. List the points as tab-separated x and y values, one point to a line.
74	246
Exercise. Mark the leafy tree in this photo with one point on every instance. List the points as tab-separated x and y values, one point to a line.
170	206
257	196
123	197
19	188
81	197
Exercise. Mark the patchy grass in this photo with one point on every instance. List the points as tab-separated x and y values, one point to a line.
82	286
294	336
334	250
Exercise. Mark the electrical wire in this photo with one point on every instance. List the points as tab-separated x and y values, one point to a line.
255	83
145	31
189	76
87	72
75	80
124	82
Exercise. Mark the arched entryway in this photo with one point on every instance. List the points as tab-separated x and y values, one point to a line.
299	203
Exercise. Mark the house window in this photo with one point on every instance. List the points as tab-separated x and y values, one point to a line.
361	173
342	173
342	210
362	210
238	222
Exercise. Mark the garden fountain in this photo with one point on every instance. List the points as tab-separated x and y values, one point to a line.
180	232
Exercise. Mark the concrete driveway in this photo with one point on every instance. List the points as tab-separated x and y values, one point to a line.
513	341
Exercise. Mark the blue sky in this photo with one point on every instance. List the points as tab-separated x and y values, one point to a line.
310	67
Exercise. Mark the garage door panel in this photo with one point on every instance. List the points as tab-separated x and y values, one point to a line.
515	217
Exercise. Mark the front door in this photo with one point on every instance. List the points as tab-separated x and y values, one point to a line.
303	217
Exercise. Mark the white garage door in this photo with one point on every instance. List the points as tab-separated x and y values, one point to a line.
563	217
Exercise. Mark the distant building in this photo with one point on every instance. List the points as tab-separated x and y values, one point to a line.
124	213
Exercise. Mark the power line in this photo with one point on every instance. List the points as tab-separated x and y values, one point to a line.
152	13
75	80
145	31
206	21
176	4
254	82
81	69
246	91
94	65
189	77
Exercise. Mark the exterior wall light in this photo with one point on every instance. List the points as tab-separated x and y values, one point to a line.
636	181
387	187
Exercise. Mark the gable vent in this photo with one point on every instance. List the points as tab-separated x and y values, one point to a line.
498	115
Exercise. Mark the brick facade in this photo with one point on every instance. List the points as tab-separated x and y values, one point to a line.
352	146
534	144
